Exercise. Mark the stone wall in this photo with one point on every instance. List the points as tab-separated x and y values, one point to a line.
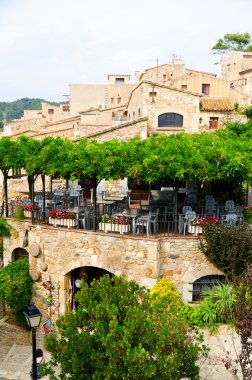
61	250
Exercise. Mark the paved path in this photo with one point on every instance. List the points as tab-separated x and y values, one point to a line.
15	351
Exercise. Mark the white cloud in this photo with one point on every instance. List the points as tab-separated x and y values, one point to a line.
47	44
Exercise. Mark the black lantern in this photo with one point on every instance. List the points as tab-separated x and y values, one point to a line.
32	315
33	318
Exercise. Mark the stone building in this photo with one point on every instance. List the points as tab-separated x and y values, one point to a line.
165	99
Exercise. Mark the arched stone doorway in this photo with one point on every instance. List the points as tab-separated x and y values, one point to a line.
74	278
19	253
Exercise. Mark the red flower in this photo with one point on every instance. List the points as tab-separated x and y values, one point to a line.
61	214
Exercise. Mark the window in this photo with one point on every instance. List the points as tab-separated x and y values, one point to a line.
66	108
119	80
112	100
213	122
184	86
170	120
20	253
205	89
164	76
133	115
119	99
50	111
206	283
139	112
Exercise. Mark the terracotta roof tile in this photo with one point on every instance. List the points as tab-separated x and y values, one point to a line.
220	104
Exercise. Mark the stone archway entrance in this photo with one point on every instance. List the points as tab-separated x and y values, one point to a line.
19	253
74	278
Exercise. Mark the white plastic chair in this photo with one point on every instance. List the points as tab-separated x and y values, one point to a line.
189	217
230	220
147	221
229	206
185	209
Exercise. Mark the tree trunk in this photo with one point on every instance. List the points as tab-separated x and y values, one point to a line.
5	206
94	187
44	202
29	185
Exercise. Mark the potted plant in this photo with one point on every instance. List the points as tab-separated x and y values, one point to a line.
114	223
198	223
27	208
63	218
19	213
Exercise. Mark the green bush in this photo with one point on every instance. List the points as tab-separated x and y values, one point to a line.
19	213
165	294
215	308
16	284
228	248
5	228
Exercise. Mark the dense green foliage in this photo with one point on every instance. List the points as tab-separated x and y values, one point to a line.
117	333
242	319
5	227
166	294
233	42
216	307
16	284
216	156
15	109
229	249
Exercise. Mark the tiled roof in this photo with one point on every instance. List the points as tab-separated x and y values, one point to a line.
220	104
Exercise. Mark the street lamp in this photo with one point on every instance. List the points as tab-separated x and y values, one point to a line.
33	318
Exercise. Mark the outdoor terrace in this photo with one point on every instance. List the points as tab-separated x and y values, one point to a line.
160	215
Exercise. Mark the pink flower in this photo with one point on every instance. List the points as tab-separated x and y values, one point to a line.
205	219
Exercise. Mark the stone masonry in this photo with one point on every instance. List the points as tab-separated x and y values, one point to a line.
55	252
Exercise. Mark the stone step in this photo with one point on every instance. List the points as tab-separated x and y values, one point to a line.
18	359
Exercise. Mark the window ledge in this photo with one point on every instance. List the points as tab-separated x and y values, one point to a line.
170	128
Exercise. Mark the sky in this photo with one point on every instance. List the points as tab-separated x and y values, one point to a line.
46	45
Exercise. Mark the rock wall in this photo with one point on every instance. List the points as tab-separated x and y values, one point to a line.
55	252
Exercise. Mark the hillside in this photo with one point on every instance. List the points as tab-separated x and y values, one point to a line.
15	109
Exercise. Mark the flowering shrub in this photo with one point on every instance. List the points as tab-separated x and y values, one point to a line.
114	219
205	219
27	207
120	220
247	213
61	214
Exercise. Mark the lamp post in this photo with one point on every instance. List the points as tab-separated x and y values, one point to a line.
33	318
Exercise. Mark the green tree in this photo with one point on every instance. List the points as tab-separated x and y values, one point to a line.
9	158
117	333
233	42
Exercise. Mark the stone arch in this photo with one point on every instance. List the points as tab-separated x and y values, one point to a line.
19	253
205	283
191	276
73	282
88	261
